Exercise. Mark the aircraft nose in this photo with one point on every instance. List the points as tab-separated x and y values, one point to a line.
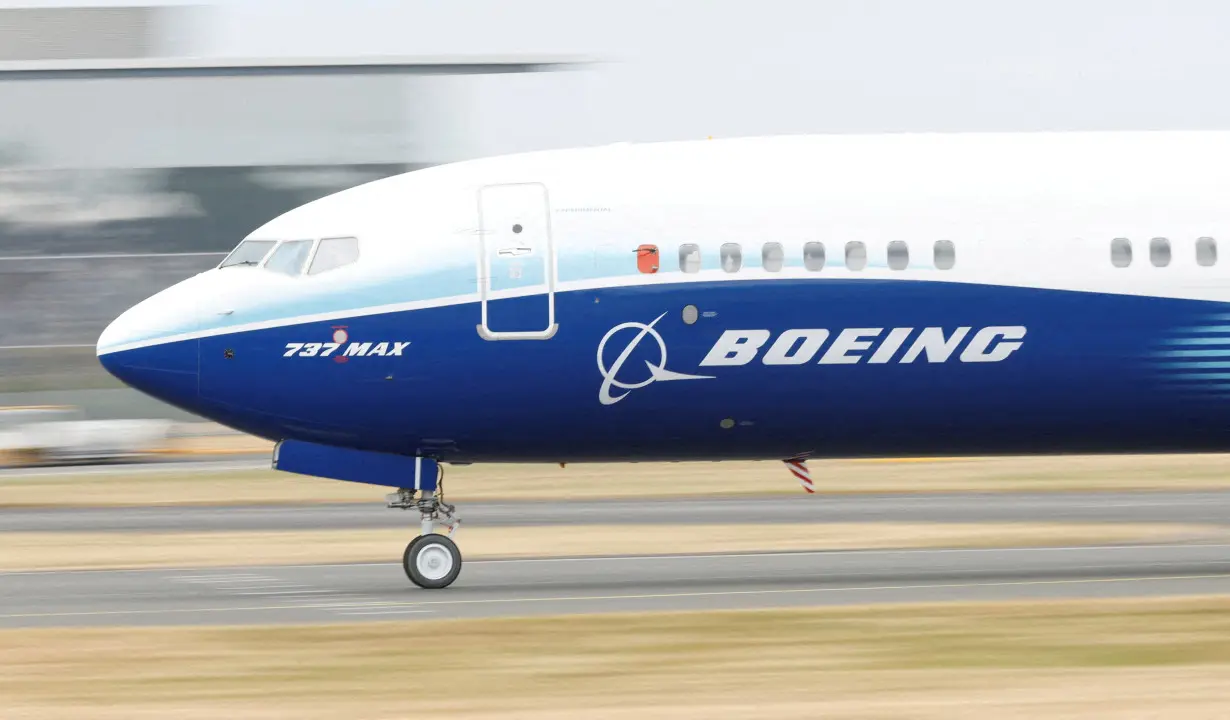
150	347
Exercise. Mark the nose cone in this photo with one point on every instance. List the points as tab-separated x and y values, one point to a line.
151	346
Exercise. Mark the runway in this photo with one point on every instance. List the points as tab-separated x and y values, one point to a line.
343	593
350	592
1196	507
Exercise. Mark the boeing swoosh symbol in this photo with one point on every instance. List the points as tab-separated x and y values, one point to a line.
657	373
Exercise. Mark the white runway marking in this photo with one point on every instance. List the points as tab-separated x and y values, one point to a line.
407	611
637	596
285	592
648	558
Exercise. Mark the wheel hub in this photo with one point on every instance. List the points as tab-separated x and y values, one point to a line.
434	562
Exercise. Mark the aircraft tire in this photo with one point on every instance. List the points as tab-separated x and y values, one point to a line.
432	561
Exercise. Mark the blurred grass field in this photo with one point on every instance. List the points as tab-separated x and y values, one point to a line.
149	486
1100	658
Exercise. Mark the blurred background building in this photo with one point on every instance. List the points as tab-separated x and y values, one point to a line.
114	185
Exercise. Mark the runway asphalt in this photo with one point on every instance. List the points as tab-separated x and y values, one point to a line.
342	593
1207	507
354	592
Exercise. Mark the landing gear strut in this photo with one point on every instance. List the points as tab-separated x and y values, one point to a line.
431	560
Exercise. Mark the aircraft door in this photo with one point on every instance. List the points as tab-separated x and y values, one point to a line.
516	274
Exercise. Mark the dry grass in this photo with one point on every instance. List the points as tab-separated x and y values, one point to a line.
1104	658
203	486
216	444
1156	472
38	551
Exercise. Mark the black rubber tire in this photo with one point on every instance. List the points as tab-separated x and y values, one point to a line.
417	546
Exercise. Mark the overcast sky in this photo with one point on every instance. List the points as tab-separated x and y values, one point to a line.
691	68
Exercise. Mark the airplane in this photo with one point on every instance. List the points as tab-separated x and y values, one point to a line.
760	298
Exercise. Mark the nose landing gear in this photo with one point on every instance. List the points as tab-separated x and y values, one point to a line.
431	560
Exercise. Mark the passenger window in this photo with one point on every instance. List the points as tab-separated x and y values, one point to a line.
856	255
334	253
898	255
1120	252
290	256
732	257
945	254
689	258
249	252
772	257
1206	252
813	256
1159	252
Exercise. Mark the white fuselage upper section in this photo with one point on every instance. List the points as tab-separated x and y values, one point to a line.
1030	210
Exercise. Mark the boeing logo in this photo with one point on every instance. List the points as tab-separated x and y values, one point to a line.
855	345
657	373
851	346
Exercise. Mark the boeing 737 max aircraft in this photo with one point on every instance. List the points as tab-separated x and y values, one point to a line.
764	298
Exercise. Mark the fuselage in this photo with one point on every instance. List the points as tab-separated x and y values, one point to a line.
836	296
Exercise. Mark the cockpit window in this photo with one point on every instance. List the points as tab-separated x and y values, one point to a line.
290	257
334	253
249	252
